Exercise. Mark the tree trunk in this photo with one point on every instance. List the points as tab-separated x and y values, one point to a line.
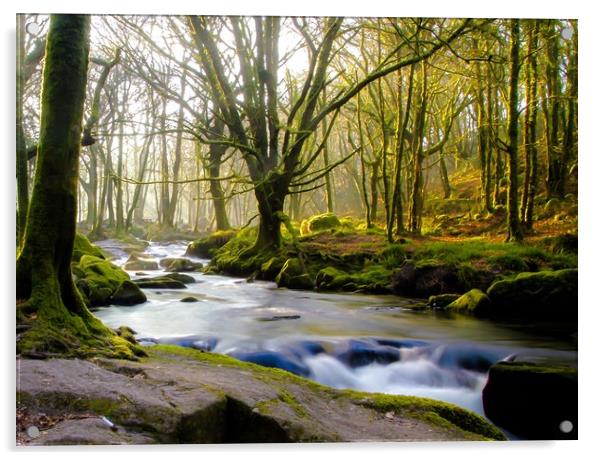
178	158
514	227
555	179
444	176
531	164
270	197
22	177
417	179
60	321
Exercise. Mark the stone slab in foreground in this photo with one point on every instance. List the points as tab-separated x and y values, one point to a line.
179	395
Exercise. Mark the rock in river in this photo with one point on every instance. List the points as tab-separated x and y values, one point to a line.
531	400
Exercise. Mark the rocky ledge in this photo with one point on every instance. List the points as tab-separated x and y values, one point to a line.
177	395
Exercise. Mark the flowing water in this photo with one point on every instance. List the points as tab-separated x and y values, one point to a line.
375	343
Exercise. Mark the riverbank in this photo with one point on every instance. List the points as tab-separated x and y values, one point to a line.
177	395
535	281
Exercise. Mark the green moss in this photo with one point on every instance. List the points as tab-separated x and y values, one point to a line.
474	302
319	222
82	246
206	247
428	410
392	256
442	300
508	262
549	293
494	254
294	276
101	279
289	399
271	268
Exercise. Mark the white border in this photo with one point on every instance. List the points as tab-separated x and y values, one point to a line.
590	106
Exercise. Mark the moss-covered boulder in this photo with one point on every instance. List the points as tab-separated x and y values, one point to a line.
545	294
128	293
319	223
330	278
82	246
427	277
474	302
205	248
180	265
159	282
530	400
189	299
181	277
139	262
100	279
271	268
442	300
293	276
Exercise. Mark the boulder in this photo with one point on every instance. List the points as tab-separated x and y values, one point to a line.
180	265
442	300
204	248
530	400
128	293
271	268
100	279
293	277
189	299
319	223
92	430
432	277
159	282
179	395
474	302
186	279
127	333
545	295
138	262
330	278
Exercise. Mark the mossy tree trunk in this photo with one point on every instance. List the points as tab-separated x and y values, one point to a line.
415	214
513	221
531	163
212	168
555	156
50	302
22	177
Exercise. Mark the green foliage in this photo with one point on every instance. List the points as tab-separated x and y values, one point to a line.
392	256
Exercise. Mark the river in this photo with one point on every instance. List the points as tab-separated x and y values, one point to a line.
375	343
